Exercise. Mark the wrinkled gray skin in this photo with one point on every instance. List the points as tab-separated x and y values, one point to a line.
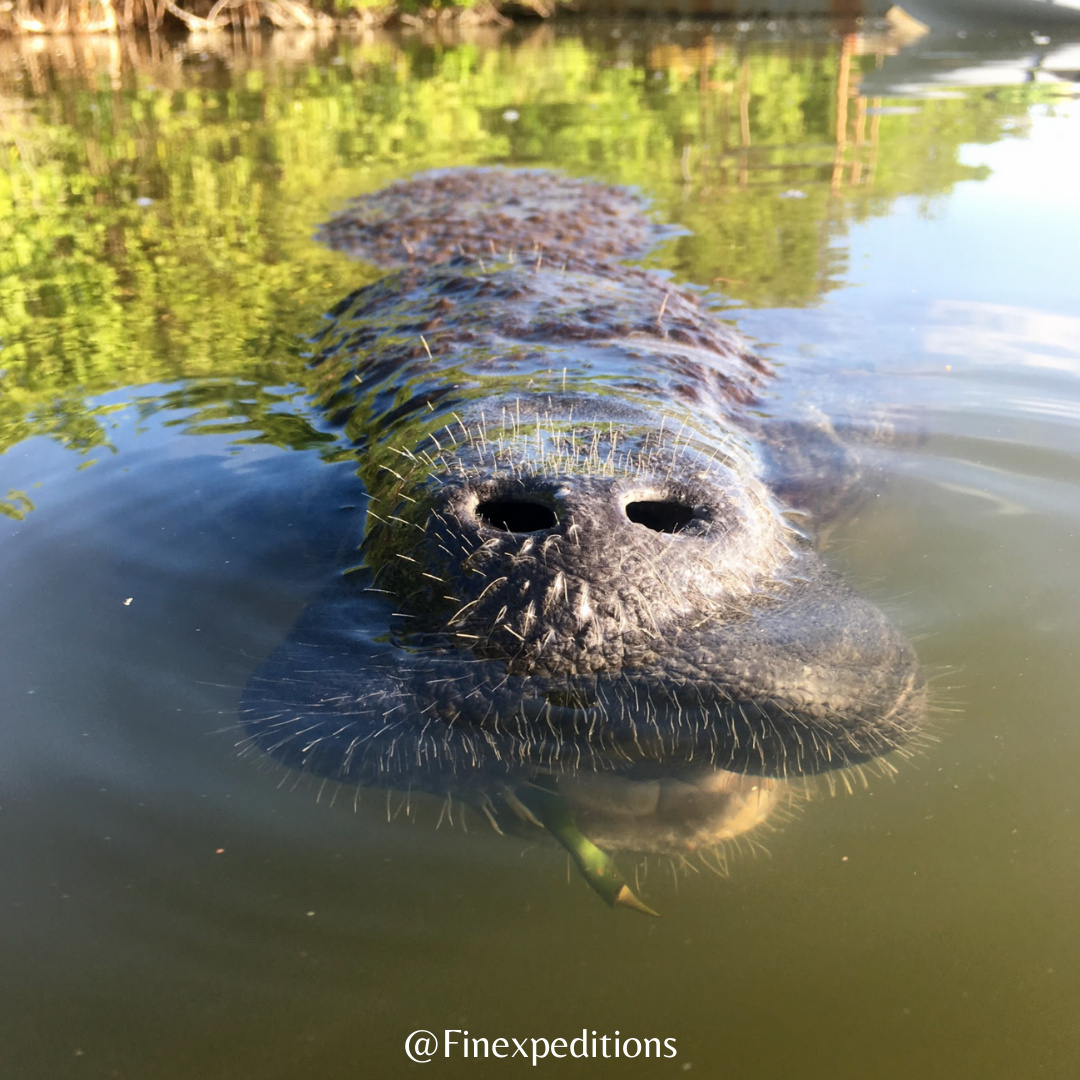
580	557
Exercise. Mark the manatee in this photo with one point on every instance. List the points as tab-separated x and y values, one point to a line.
587	594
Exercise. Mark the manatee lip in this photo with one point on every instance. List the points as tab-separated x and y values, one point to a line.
630	726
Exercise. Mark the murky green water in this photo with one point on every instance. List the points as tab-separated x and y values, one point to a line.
171	910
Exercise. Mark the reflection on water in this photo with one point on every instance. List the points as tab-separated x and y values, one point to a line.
1002	334
169	501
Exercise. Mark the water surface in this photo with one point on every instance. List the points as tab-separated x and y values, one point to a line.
170	500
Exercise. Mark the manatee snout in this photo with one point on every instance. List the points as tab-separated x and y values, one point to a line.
664	612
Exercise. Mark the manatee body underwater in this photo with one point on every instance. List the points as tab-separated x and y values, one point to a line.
587	557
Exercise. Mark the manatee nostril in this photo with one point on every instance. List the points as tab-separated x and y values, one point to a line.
516	515
660	515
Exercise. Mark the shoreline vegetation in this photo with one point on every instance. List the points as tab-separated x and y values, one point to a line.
33	17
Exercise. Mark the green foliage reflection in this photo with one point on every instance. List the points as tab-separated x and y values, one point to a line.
156	210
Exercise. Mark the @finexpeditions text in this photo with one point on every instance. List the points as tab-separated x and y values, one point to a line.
423	1046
